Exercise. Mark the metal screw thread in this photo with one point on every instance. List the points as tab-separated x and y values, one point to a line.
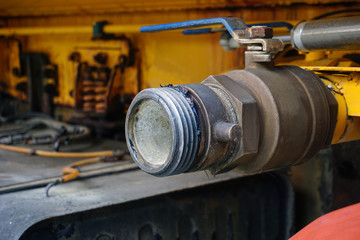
184	125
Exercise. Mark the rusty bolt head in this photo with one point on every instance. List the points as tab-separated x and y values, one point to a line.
259	32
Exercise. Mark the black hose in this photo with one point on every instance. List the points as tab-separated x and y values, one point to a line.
336	12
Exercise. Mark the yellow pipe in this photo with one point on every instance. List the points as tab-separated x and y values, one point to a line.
332	69
67	30
122	28
45	30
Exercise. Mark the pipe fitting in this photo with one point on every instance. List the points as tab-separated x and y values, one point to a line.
256	119
162	131
186	128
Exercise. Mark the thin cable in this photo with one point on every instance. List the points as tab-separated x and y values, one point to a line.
336	12
101	171
50	185
72	171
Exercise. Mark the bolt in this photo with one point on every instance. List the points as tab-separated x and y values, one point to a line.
227	132
259	32
330	87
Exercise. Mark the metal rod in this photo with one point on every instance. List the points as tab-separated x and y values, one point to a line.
286	38
327	34
83	175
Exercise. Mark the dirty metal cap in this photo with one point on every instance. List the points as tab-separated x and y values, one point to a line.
162	131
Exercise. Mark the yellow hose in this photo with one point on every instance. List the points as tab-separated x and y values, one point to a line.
44	153
71	172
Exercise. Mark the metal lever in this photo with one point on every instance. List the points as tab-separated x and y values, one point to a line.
260	45
214	30
230	24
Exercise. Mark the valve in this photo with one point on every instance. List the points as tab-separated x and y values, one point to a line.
256	119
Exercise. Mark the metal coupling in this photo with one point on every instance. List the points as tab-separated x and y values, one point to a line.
171	130
256	119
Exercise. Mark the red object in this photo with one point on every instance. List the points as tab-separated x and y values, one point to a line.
342	224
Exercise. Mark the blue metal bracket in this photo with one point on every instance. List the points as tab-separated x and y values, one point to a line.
230	24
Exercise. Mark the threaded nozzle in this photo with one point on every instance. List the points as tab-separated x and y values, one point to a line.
162	131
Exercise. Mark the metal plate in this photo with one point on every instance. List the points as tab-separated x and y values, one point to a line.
134	205
188	206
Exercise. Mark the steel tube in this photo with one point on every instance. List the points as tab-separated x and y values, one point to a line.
327	34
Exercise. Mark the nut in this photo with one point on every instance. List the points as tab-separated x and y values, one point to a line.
259	32
246	111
